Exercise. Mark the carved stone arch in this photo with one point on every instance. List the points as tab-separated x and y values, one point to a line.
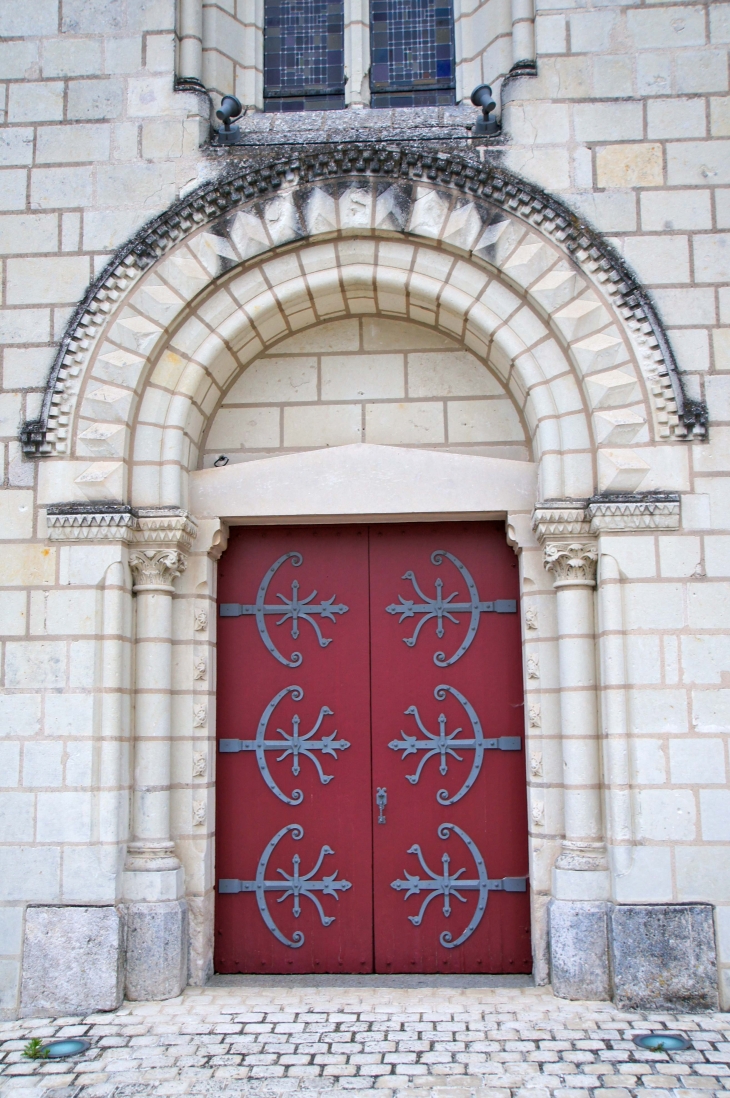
469	230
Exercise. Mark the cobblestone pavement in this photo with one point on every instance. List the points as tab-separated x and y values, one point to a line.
443	1042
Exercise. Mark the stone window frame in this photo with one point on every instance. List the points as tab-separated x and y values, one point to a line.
202	64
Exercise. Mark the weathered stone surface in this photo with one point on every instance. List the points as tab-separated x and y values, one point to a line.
157	949
579	965
663	956
72	960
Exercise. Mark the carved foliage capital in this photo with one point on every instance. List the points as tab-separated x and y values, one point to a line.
156	567
572	563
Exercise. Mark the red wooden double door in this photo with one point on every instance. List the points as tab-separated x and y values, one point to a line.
371	802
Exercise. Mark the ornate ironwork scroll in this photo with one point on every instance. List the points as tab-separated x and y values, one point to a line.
440	608
294	885
446	743
294	745
295	608
448	885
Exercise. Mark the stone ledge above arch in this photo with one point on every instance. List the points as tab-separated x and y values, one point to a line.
466	205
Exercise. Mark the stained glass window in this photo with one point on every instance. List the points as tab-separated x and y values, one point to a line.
412	53
304	55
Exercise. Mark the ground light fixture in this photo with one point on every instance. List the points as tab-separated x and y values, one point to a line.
59	1050
230	108
661	1042
482	97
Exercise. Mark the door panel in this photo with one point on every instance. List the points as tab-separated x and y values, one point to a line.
334	684
465	684
311	789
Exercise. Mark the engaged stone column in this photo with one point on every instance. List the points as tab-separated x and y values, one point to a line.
578	911
573	567
523	36
190	43
154	886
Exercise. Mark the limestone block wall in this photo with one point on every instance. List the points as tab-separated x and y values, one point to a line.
94	142
627	121
483	41
233	49
366	380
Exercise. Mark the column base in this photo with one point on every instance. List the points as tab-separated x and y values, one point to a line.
153	886
664	957
152	873
581	884
643	956
157	949
579	955
73	961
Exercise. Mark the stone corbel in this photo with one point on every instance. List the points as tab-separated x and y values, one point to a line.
212	537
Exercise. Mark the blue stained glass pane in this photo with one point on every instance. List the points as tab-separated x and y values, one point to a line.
412	47
304	54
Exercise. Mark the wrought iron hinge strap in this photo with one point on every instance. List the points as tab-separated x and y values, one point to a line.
294	745
445	744
294	608
445	608
294	885
449	884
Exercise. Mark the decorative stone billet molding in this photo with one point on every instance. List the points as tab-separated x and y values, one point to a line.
567	520
160	537
168	527
656	513
487	188
572	564
91	522
560	518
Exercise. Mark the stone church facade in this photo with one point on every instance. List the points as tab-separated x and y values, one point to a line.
365	313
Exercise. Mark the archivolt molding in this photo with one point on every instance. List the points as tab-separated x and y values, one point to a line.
462	204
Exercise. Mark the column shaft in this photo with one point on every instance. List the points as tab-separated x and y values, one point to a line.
190	41
579	724
153	870
152	728
523	31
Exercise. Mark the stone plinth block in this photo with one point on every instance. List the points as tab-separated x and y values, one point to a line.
578	932
73	960
157	949
664	957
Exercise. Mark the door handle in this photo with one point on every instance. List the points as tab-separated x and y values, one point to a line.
381	799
